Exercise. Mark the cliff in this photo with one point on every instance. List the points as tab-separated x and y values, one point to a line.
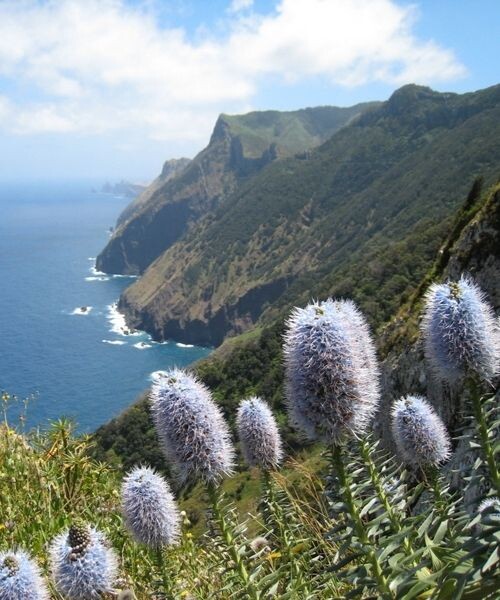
328	222
170	169
475	250
239	147
252	364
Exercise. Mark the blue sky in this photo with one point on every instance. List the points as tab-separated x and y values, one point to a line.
112	88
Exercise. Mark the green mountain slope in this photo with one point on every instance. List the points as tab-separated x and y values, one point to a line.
252	364
239	147
364	210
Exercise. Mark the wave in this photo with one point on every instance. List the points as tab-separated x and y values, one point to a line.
82	310
118	322
91	258
114	342
120	276
94	271
92	278
181	345
157	375
142	345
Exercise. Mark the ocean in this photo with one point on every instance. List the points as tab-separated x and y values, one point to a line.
55	358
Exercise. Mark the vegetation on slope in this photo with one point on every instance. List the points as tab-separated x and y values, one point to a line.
50	480
332	221
171	168
367	528
239	147
252	364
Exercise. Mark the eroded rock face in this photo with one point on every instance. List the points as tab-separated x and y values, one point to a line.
319	221
212	327
171	204
186	191
171	168
476	252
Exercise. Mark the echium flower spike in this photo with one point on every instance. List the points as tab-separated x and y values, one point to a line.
83	565
332	375
420	434
489	514
259	435
150	510
461	333
191	428
20	578
490	505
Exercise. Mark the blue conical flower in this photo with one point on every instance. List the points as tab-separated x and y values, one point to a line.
191	427
490	506
20	578
259	434
489	512
332	376
460	332
83	565
420	435
151	513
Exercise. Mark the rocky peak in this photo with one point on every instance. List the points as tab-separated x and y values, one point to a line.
221	131
173	167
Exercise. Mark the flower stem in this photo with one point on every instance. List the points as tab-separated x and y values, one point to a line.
359	527
228	537
394	516
283	532
167	583
432	479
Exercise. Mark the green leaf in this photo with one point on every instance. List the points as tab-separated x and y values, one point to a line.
417	589
492	560
440	533
447	590
425	525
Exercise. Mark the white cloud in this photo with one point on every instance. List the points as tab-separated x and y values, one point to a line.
238	5
97	65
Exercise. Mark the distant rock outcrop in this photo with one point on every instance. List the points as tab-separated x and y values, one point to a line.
123	188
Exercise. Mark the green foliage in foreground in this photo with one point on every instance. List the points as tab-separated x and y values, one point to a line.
365	529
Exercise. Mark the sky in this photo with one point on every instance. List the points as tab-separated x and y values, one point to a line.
110	89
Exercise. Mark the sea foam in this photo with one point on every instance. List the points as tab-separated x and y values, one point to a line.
181	345
157	375
114	342
82	310
142	345
118	322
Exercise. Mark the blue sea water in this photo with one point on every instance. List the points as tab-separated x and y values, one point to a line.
82	366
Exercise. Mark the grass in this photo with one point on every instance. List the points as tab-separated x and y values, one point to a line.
49	479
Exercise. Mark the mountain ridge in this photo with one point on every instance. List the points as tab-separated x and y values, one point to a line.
402	165
235	152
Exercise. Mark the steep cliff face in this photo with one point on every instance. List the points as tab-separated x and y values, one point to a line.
239	147
170	207
170	169
475	251
319	222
